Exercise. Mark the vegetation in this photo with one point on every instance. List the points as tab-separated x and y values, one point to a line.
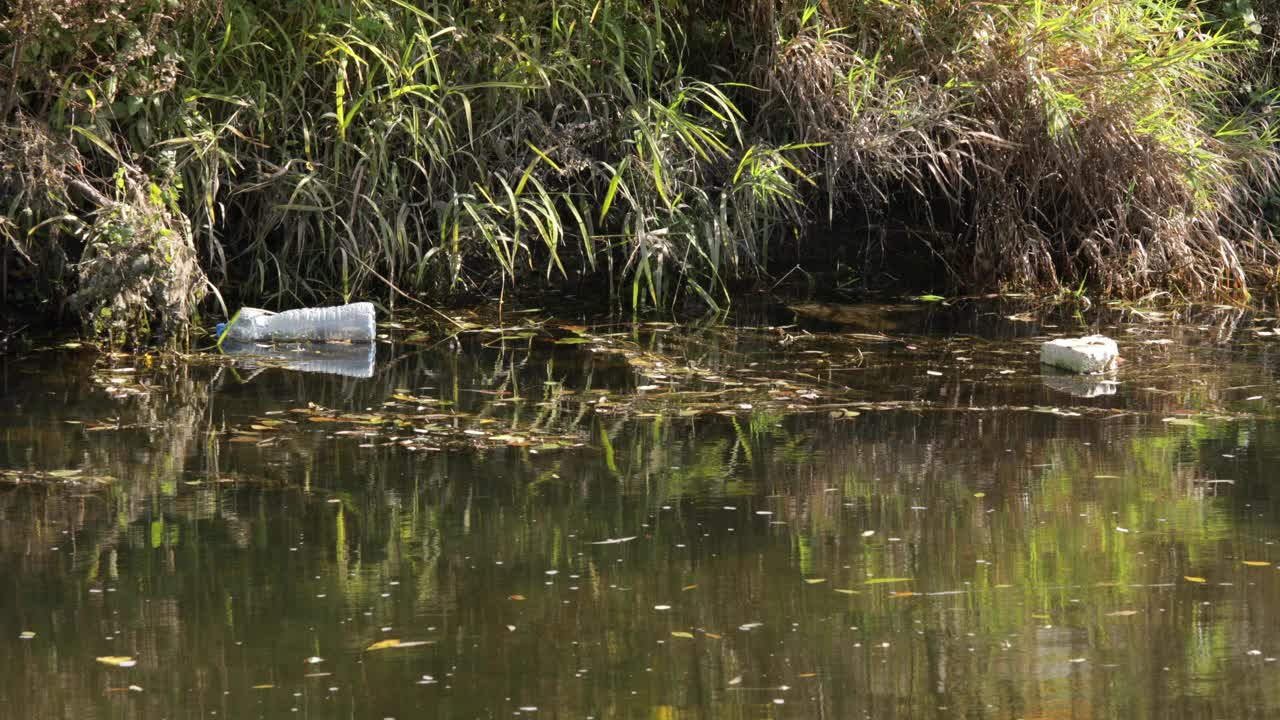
328	149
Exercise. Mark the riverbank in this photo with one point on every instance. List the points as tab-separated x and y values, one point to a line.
659	155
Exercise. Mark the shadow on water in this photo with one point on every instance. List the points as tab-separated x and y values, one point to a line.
771	518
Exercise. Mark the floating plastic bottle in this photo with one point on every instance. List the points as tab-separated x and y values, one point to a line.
343	323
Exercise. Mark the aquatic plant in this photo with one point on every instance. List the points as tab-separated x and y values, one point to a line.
386	148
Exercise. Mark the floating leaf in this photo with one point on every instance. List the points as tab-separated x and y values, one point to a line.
123	661
687	588
1185	422
388	644
26	635
682	634
1122	613
736	680
1256	563
885	581
516	597
264	686
814	581
1194	579
847	591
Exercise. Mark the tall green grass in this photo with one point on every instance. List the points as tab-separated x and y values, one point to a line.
331	149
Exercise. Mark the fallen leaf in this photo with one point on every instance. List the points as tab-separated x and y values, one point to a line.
814	581
388	644
1256	563
847	591
681	634
516	597
1194	579
123	661
1122	613
687	588
883	581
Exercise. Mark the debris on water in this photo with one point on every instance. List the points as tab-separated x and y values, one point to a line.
1085	355
615	541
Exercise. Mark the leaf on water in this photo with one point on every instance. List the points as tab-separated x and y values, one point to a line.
572	341
885	581
902	594
260	427
814	581
383	645
1122	613
868	533
264	686
687	588
65	473
737	679
847	591
807	675
1182	421
713	636
682	634
615	541
243	439
934	373
1194	579
26	635
1256	563
123	661
979	494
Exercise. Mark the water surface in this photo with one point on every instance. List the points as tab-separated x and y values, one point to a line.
771	518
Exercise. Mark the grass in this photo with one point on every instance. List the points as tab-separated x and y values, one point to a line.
324	150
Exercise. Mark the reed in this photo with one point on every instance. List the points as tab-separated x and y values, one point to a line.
333	149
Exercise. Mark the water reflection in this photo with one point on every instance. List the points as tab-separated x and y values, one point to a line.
349	360
981	549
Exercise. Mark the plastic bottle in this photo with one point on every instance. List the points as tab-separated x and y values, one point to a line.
343	323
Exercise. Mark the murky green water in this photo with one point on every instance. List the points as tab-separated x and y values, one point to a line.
759	522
